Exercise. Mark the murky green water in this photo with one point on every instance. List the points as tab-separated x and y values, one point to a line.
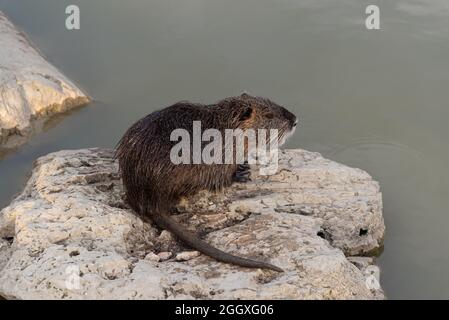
378	100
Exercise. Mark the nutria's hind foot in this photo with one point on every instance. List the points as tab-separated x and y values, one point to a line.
243	173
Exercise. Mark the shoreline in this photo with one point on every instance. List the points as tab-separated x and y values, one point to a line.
33	90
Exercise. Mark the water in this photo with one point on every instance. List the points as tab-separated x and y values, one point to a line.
377	100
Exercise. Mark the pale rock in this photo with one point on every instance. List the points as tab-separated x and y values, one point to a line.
164	255
70	235
152	257
31	89
187	255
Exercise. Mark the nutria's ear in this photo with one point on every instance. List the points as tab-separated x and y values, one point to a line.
246	113
244	94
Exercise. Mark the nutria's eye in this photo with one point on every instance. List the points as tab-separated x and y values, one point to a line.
246	113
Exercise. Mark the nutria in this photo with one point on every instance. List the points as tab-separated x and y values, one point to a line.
154	185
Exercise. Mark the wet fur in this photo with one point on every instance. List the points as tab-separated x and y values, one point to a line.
154	184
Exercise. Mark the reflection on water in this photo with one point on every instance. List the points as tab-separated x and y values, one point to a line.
12	143
377	100
371	143
426	8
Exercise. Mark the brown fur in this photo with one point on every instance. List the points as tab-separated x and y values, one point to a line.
154	184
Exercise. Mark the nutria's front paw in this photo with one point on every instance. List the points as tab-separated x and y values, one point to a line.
242	174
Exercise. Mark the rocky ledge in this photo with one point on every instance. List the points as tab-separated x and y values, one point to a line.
70	235
30	88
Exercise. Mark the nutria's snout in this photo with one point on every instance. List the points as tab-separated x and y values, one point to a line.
295	123
290	117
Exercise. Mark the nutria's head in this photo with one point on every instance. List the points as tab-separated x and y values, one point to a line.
250	112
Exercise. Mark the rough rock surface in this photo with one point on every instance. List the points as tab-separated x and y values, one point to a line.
70	235
30	88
